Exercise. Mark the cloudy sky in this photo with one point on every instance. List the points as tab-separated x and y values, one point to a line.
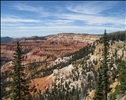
31	18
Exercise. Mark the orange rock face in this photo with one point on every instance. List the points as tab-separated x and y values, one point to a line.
36	51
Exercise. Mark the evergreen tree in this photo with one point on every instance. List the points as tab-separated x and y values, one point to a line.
18	85
121	88
3	85
99	88
105	67
122	76
102	87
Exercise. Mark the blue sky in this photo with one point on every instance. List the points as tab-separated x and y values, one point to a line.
41	18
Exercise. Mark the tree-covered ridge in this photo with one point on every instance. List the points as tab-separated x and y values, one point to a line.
121	35
36	38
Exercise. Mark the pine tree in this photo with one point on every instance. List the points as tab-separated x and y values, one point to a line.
102	87
105	67
3	85
99	88
121	88
122	76
18	85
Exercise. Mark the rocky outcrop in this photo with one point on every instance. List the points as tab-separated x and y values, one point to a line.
88	38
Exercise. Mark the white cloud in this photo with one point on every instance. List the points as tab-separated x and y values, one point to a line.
24	30
28	8
35	9
94	7
18	19
72	28
63	24
91	14
59	22
86	14
93	19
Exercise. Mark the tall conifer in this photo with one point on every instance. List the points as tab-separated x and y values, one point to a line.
105	67
99	87
18	85
102	87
